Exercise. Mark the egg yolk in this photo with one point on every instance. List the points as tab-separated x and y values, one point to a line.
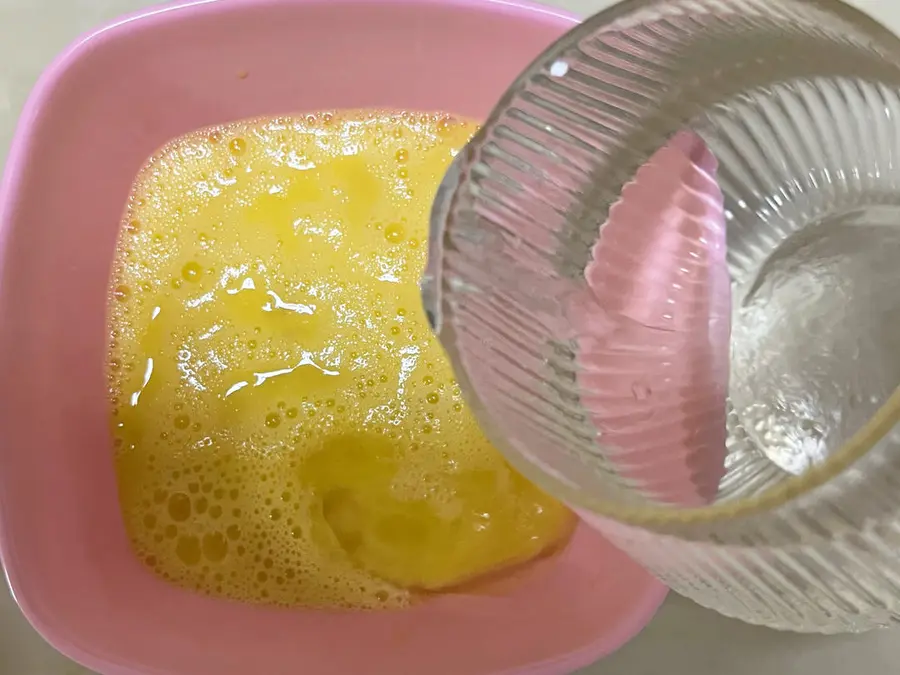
287	428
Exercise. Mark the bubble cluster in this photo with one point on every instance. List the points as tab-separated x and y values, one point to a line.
286	428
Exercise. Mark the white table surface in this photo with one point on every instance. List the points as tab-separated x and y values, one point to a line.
683	639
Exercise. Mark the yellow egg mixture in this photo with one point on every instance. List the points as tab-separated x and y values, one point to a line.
287	428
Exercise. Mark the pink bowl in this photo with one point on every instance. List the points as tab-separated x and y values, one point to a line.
97	113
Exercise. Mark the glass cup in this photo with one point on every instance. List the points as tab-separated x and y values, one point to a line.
665	272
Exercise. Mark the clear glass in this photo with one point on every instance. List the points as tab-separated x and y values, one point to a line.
587	317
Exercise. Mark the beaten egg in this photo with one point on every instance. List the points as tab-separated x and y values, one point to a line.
287	428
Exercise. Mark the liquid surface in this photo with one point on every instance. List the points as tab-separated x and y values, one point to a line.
815	340
287	428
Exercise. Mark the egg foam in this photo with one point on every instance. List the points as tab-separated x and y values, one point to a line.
287	429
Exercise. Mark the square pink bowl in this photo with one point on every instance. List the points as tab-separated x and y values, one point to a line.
97	113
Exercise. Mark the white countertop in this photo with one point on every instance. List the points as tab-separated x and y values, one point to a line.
683	639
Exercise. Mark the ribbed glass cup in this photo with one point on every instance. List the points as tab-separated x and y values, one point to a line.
666	274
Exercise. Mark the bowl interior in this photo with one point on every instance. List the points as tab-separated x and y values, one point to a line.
97	114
